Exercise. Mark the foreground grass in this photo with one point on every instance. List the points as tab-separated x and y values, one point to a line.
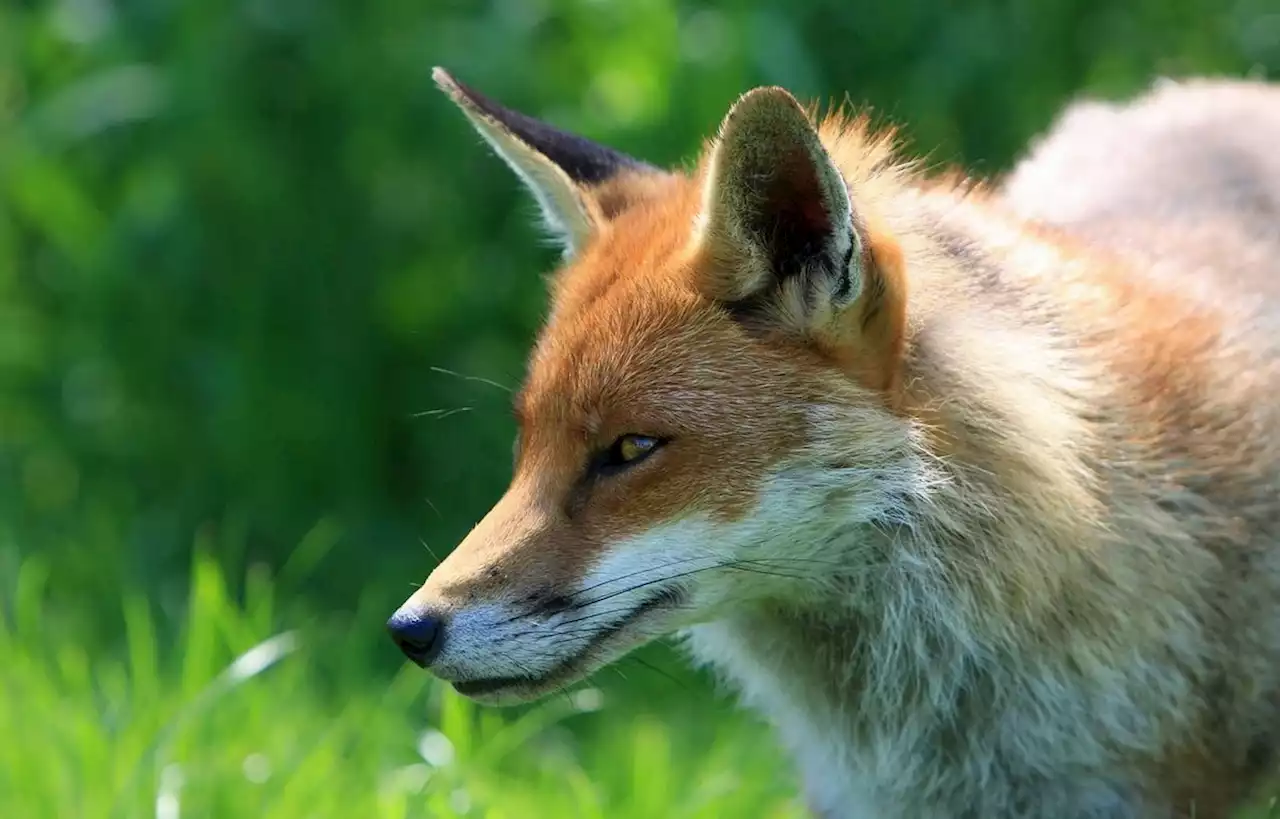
240	718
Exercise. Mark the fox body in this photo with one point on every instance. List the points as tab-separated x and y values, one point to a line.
974	492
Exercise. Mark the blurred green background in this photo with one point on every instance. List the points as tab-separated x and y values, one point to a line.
255	274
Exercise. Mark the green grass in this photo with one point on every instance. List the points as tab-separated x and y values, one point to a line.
234	711
241	713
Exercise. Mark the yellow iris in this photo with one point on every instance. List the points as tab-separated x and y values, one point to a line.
632	447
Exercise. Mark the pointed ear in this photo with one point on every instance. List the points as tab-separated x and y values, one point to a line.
560	169
783	246
774	205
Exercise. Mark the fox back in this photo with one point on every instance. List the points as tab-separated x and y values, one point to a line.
971	489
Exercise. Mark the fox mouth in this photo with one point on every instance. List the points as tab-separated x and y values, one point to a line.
603	647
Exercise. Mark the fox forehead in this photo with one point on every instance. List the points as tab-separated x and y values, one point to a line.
629	335
632	347
647	239
630	341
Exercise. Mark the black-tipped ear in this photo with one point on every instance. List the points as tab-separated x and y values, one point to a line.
558	167
775	208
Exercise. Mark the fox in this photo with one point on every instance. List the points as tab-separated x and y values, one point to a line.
969	487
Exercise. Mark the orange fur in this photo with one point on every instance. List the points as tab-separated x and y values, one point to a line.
970	488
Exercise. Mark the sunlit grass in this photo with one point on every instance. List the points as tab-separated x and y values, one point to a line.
242	715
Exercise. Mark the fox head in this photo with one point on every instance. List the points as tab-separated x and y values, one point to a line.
710	411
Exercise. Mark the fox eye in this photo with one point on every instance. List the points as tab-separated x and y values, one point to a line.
628	450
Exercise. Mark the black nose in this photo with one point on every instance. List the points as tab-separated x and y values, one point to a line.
418	634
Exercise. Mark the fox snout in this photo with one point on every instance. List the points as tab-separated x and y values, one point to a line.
491	568
499	619
417	633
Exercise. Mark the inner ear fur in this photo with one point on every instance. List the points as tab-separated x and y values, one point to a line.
866	340
774	206
783	245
